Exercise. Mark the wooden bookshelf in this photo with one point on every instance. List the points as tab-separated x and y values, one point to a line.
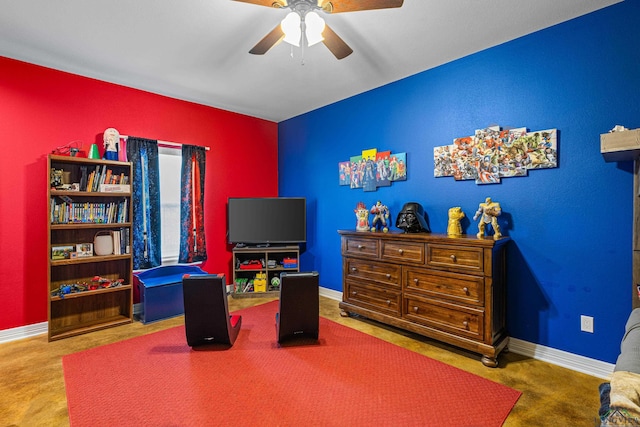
75	216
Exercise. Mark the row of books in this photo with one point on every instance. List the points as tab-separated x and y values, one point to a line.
101	175
121	239
65	211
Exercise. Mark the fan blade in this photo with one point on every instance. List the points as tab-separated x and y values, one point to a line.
269	41
336	45
269	3
338	6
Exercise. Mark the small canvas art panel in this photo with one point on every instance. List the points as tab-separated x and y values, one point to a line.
372	169
492	154
398	166
344	169
383	168
357	171
369	182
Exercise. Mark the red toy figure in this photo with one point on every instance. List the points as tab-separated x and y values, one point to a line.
362	216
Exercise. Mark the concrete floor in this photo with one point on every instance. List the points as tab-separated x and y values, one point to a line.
33	390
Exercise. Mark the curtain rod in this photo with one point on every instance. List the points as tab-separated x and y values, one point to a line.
169	143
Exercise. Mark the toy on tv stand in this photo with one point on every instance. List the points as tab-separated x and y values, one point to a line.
453	227
411	219
362	217
380	214
489	211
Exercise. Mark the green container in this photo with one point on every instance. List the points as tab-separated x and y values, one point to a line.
93	152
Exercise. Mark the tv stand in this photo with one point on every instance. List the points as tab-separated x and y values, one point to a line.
264	262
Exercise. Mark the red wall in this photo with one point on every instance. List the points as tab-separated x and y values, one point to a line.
41	109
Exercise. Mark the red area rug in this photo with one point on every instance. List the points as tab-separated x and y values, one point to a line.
348	378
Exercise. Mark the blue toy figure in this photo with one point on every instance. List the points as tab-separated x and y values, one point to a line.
111	138
380	214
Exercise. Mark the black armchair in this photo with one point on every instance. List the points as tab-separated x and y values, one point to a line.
206	311
299	309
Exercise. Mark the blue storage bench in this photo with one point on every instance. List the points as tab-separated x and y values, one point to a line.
161	291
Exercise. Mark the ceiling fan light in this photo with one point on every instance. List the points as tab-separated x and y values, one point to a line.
314	28
291	28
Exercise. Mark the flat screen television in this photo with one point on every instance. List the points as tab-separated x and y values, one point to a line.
266	220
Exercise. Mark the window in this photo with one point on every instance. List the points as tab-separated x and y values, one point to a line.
170	163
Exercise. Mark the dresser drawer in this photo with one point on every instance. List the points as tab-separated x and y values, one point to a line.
380	273
403	251
447	317
462	288
458	258
360	247
386	300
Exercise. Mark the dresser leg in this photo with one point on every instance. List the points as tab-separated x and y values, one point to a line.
344	313
491	362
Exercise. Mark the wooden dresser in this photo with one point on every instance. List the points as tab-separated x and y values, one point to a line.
451	289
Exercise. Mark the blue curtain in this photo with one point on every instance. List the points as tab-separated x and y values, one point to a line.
147	249
193	246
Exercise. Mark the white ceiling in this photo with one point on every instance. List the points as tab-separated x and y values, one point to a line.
197	50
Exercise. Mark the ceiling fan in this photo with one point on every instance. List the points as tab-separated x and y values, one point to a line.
303	23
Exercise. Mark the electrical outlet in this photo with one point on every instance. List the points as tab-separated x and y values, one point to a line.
586	323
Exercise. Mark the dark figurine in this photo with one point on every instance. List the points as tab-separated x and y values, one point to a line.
411	219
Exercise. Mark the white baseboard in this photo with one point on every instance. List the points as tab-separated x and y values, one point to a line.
596	368
331	294
22	332
36	329
567	360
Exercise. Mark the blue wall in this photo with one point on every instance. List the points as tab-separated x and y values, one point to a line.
571	226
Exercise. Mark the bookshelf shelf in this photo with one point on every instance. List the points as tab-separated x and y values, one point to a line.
90	326
90	193
90	259
81	225
75	218
90	294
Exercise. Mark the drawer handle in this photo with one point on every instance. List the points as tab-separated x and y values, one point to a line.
415	309
453	258
360	246
388	276
416	280
354	293
400	251
389	302
466	290
354	269
466	324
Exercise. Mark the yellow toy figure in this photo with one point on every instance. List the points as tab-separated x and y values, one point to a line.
380	214
455	215
362	216
489	212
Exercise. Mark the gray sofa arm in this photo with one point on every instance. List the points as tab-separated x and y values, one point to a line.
629	358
